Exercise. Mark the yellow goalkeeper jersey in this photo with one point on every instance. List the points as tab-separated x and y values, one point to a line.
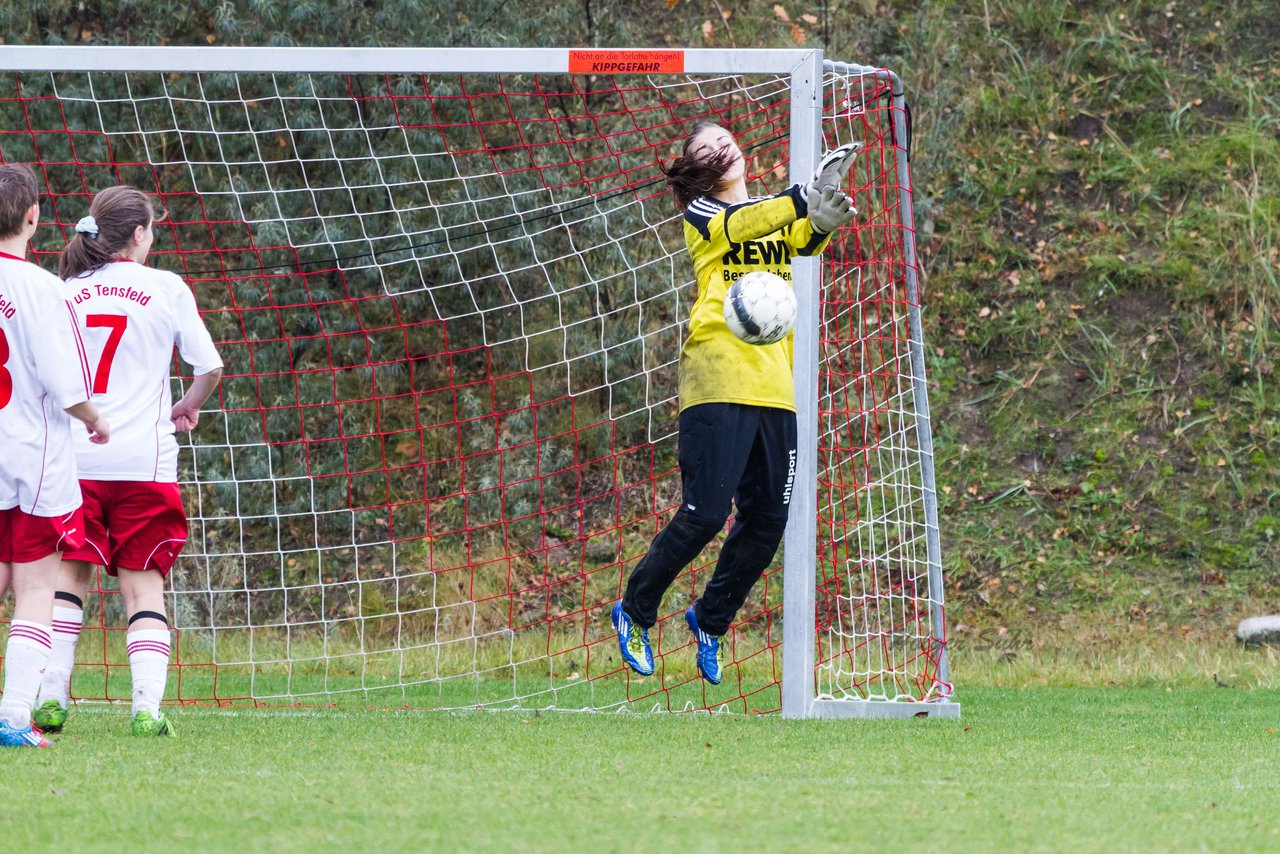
726	241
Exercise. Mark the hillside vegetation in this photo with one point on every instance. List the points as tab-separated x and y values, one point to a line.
1100	184
1096	194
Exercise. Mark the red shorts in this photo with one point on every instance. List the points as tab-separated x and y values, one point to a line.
25	538
131	525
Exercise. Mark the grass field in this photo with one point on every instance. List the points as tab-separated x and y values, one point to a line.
1047	769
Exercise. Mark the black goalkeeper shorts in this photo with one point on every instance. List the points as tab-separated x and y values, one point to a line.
733	451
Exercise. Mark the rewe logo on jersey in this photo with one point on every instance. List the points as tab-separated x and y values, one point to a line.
759	252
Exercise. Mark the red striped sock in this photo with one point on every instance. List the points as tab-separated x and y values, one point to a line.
56	684
149	664
25	657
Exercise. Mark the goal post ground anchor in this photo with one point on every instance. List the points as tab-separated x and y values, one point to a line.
825	708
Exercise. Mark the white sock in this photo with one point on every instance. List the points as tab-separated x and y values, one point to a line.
25	657
149	664
56	684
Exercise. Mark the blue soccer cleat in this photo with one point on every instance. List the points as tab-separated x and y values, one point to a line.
710	650
27	736
633	641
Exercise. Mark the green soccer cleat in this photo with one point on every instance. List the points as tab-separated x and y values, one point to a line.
147	725
50	717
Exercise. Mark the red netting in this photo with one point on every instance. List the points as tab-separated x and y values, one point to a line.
880	635
450	310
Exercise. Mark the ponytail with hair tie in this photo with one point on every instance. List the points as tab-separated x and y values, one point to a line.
87	226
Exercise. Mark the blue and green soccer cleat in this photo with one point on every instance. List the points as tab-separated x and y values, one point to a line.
51	716
710	650
27	736
633	641
148	725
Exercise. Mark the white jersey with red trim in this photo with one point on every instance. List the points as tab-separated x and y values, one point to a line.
42	372
131	317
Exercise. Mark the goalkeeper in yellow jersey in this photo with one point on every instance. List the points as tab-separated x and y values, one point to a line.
737	403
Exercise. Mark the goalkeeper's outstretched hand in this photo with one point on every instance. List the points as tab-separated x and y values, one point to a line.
830	209
833	167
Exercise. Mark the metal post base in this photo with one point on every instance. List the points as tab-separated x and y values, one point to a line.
883	709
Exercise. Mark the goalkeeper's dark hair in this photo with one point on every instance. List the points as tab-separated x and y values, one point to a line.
118	211
18	192
692	178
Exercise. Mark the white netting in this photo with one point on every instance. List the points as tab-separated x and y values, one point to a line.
451	309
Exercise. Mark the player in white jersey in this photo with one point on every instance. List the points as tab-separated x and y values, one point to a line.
131	318
42	376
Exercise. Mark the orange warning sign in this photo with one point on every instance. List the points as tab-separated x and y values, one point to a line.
626	61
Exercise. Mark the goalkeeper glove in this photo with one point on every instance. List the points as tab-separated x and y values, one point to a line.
833	167
830	209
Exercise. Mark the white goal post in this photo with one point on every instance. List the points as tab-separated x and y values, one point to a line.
450	288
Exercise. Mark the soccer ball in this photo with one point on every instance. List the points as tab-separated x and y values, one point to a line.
760	308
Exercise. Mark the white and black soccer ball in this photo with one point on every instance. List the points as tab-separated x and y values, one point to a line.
760	308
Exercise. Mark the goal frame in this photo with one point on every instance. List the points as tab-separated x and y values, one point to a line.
805	68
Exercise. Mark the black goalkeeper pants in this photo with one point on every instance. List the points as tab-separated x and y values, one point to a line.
730	453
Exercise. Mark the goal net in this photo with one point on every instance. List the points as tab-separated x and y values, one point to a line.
451	304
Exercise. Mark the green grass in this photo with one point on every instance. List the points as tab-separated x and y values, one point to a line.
1096	188
1134	657
531	670
1084	649
1025	769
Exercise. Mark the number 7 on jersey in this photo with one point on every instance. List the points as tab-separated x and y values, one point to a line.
117	324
